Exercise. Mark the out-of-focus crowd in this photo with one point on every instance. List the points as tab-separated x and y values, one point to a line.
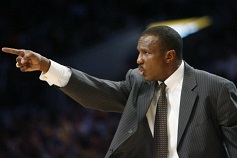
37	121
31	132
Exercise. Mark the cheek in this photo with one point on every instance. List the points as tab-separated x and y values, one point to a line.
153	65
153	69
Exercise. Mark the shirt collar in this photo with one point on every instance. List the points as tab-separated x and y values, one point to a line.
175	78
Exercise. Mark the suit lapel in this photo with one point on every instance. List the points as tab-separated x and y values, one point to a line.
132	115
144	100
188	98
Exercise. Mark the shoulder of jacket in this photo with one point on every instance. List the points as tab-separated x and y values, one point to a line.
135	76
202	75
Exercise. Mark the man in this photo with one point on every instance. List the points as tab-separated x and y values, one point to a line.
202	107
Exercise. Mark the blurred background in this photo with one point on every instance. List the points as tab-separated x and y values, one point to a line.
98	37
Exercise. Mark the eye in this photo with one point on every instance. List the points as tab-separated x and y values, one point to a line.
146	52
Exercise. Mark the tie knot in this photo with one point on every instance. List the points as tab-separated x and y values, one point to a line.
162	86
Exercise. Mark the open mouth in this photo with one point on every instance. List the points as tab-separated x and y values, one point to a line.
142	70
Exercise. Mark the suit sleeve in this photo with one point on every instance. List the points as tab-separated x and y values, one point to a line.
227	117
99	94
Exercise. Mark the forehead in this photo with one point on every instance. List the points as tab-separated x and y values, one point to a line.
147	41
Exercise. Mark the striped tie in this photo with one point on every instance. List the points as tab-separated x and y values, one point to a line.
160	141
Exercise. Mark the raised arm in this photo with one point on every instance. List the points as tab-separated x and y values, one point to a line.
28	60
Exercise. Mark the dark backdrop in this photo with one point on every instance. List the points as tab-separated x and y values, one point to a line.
98	37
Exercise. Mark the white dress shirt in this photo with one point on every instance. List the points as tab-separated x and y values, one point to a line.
59	75
173	93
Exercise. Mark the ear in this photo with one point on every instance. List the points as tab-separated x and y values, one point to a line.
170	56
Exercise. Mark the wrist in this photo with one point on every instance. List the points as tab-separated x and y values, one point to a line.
44	64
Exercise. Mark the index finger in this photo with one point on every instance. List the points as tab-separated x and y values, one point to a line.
13	51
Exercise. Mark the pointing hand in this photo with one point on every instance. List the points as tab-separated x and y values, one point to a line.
28	60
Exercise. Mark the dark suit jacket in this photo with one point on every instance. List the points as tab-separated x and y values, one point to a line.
208	109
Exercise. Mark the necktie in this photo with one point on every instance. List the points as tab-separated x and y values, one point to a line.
160	141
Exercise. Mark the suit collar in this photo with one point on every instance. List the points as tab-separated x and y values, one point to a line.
145	96
188	98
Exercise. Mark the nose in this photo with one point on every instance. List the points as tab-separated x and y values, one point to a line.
139	59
